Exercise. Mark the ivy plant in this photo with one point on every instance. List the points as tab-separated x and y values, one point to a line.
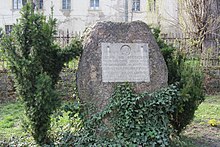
131	119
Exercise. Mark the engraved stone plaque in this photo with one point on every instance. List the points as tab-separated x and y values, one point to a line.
125	62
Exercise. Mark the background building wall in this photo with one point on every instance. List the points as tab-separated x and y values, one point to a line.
81	15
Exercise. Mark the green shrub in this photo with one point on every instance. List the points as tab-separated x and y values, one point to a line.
36	61
172	58
191	93
189	76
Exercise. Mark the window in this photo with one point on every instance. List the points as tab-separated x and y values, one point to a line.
136	5
40	4
24	2
94	4
8	29
66	5
17	4
152	6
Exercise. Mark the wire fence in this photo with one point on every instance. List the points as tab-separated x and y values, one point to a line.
210	56
64	37
67	75
183	42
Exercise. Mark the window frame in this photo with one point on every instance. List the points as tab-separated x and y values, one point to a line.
66	6
8	29
17	4
94	4
136	5
152	6
41	4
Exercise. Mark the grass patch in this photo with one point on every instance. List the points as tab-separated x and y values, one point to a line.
209	109
12	114
199	132
10	122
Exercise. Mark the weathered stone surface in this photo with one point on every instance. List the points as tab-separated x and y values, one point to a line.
95	92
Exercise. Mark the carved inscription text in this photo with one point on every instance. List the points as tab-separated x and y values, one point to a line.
125	62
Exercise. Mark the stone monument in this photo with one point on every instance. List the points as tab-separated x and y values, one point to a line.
115	53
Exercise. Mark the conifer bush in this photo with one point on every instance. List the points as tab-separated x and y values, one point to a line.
36	61
191	94
187	74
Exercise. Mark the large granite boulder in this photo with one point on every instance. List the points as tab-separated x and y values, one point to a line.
114	53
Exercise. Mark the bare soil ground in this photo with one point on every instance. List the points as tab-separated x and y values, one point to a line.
203	135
